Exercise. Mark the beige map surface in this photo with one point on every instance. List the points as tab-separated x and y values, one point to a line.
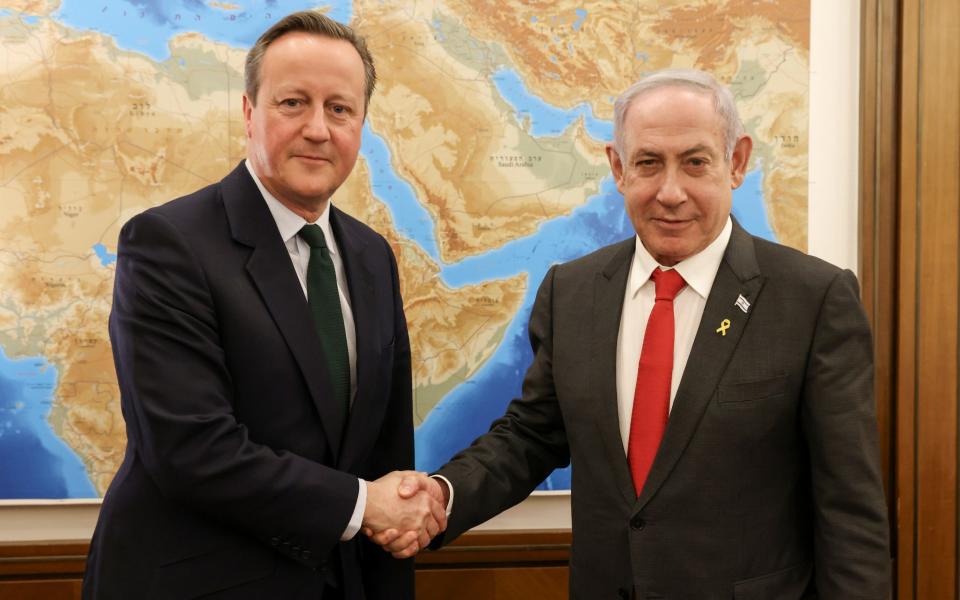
91	135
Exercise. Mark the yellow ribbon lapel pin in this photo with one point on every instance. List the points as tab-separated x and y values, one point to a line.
724	326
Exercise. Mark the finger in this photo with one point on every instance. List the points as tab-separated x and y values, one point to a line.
410	485
439	513
407	552
435	489
367	531
403	541
431	527
387	536
423	539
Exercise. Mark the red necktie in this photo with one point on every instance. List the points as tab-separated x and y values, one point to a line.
651	399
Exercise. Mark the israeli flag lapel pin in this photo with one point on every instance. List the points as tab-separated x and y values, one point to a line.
742	303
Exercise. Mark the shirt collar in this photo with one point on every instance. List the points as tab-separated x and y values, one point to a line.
698	270
288	222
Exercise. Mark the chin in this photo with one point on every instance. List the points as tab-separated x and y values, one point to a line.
316	196
313	189
671	255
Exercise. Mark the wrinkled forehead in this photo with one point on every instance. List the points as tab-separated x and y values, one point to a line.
673	117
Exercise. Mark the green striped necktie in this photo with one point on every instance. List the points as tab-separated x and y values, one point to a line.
324	300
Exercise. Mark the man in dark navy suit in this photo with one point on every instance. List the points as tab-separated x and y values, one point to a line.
264	364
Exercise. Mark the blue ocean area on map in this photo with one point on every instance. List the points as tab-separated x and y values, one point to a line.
44	466
410	217
147	25
749	208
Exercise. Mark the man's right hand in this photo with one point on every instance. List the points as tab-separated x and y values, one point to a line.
404	511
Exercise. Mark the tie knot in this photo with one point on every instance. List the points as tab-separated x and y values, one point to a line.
669	283
313	236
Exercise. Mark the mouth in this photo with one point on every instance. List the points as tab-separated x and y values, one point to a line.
310	158
672	223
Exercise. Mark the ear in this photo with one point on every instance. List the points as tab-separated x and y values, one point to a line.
739	160
247	114
616	166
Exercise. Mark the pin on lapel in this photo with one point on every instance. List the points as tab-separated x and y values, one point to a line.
742	303
724	326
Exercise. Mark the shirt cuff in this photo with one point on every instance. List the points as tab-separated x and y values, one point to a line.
356	519
450	489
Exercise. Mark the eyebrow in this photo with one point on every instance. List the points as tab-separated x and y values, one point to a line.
699	148
284	91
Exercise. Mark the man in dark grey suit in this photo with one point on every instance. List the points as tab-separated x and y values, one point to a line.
723	432
263	361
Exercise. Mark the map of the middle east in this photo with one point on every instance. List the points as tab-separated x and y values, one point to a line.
482	164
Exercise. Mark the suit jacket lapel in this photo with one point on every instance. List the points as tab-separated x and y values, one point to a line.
366	412
273	274
609	287
738	275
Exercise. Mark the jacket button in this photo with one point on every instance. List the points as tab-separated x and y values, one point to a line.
305	555
274	541
637	523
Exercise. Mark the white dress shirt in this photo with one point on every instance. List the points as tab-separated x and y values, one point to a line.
698	271
289	225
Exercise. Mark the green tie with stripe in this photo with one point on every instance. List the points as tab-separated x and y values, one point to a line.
324	301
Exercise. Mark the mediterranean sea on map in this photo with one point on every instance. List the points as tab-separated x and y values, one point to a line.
36	463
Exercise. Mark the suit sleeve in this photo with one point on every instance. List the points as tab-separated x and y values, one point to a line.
177	402
522	447
852	557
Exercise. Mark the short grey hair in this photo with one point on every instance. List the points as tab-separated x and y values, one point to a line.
693	79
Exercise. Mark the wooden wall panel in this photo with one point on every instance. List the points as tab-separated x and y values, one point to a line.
521	565
527	583
42	571
937	199
910	200
906	449
910	212
879	73
40	589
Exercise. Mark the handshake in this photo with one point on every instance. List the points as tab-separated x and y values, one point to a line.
404	511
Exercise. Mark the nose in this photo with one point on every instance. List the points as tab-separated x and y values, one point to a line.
671	192
316	129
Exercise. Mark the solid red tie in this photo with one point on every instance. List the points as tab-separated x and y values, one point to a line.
651	398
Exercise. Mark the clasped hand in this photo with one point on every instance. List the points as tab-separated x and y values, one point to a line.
405	510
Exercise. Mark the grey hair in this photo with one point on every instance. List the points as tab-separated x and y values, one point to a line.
698	81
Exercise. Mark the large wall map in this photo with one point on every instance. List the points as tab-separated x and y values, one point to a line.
482	164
